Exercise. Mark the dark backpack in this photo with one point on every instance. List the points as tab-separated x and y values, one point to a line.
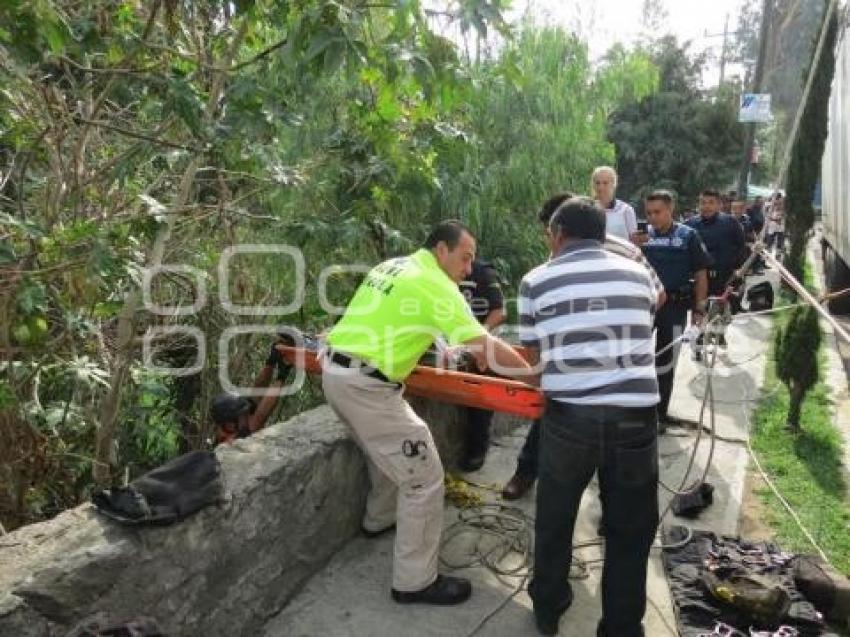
757	597
166	494
760	297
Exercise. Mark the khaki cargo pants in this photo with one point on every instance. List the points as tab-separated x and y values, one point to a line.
404	468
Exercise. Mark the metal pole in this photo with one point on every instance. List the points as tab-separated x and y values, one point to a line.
758	76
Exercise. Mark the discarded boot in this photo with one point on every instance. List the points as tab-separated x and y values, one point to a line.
445	591
692	504
517	486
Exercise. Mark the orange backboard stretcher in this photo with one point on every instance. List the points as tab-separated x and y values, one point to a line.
460	388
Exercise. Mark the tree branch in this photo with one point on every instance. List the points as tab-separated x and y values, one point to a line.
136	135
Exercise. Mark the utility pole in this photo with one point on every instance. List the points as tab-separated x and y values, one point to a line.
723	50
758	76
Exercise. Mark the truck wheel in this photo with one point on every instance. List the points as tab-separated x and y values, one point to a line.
837	278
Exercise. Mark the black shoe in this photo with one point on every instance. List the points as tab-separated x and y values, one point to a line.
547	621
375	534
472	463
546	624
445	591
517	486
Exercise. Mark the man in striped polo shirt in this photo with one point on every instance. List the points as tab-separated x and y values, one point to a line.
526	470
588	314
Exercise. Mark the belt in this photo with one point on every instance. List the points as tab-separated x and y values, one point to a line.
345	361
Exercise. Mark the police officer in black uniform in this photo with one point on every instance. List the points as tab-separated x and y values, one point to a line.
723	237
681	260
483	291
739	211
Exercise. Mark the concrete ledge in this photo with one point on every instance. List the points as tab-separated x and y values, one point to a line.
295	495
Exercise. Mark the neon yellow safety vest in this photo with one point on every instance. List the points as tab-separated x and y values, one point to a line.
400	308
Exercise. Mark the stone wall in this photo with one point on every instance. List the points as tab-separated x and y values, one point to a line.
295	495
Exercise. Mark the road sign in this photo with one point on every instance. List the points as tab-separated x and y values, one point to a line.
755	107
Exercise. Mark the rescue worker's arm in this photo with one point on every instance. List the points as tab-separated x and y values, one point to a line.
273	376
532	355
494	319
490	351
265	376
266	406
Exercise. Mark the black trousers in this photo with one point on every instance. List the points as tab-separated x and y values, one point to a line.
477	431
717	280
622	445
670	323
526	465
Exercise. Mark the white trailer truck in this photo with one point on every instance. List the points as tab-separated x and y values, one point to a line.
835	178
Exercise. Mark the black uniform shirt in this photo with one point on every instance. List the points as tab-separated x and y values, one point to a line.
676	256
483	290
724	239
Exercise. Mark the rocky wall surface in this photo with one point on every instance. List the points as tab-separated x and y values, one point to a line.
294	495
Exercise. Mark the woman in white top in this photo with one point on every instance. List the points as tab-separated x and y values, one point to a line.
776	223
620	216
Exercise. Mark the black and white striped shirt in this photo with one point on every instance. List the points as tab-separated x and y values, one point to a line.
590	312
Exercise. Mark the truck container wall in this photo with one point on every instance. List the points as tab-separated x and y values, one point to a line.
836	177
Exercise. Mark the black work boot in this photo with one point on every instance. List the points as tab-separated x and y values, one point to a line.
547	621
445	591
517	486
547	624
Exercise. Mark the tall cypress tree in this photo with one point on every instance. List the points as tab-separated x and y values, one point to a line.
807	151
796	362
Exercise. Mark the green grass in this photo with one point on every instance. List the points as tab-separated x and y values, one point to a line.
807	469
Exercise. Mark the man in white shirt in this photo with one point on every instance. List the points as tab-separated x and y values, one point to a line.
620	219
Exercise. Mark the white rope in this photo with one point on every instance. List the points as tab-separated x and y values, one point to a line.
779	495
807	297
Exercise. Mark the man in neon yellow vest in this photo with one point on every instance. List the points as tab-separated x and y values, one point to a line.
400	308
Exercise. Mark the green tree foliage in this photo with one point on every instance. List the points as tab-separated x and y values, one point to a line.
535	125
796	347
138	134
678	137
804	170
